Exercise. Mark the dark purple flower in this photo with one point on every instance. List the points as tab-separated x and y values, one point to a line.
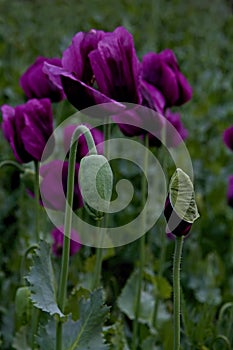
162	71
228	137
82	148
58	236
75	58
36	84
230	191
107	59
27	128
53	185
181	227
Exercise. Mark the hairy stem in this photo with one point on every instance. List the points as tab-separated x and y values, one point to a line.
176	291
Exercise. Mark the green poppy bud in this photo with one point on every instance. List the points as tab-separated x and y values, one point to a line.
180	207
96	181
22	307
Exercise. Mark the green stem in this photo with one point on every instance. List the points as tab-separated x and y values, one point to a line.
176	291
35	311
99	257
36	192
160	271
141	249
68	222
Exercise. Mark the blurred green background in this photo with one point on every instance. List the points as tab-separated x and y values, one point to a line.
201	34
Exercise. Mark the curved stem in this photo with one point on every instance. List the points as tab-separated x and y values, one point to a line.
12	163
141	249
24	257
176	291
81	129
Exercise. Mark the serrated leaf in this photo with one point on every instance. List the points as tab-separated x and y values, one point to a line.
42	281
116	336
84	334
46	338
72	305
127	301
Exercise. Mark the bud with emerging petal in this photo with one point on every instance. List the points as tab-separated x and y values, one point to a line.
180	208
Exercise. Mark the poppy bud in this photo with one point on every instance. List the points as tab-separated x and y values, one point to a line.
96	181
180	208
22	306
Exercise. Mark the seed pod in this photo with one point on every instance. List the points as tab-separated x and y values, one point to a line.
96	181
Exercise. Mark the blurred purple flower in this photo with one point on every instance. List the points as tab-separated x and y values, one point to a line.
53	185
82	148
36	84
228	137
182	227
162	71
27	128
58	236
107	60
230	191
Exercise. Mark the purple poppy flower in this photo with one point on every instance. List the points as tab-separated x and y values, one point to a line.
228	137
27	128
82	148
182	227
58	236
162	71
36	84
230	191
111	64
53	185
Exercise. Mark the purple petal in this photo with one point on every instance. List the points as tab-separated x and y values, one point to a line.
13	123
75	58
116	66
228	137
169	57
185	90
83	96
175	225
36	83
38	126
152	97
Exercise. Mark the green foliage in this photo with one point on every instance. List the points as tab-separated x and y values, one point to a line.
86	333
127	300
201	35
42	281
